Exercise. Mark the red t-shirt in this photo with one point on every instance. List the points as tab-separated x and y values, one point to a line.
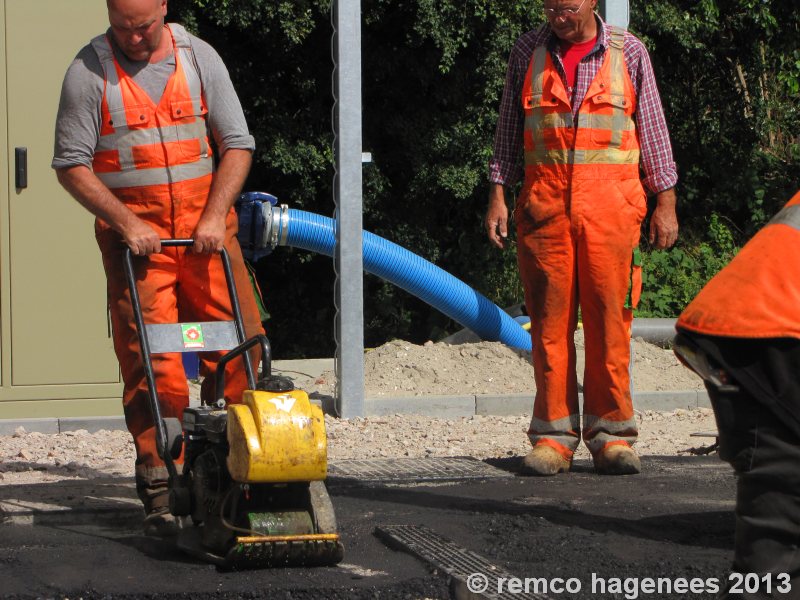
571	55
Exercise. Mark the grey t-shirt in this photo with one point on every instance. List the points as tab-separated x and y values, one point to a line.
78	121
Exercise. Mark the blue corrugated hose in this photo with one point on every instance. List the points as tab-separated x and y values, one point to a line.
415	275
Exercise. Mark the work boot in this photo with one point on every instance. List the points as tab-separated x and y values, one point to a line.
158	521
617	459
544	460
152	487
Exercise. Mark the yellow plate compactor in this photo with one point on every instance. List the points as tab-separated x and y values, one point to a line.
251	487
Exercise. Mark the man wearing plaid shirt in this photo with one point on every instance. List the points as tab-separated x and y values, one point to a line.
581	106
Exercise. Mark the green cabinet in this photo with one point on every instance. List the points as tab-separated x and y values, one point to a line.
56	352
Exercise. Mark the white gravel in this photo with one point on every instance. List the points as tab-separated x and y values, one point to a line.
397	368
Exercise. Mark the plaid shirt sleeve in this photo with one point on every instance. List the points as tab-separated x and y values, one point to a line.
660	172
505	166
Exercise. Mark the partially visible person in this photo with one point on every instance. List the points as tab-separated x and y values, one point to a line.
742	335
581	106
138	105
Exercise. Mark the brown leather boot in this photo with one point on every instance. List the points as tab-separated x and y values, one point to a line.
158	521
617	459
152	489
544	460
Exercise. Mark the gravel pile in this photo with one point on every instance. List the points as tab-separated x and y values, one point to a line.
400	368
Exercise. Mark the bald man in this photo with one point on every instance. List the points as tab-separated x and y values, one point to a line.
152	140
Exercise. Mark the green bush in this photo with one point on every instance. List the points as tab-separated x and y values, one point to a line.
671	278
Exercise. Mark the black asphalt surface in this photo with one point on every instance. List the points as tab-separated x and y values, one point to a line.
673	521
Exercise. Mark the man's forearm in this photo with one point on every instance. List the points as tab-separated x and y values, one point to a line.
228	181
93	195
667	199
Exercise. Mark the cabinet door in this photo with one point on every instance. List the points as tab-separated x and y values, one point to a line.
58	318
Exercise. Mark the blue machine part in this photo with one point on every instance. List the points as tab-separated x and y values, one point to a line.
254	210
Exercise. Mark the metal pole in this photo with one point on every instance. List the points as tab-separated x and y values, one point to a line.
348	258
615	12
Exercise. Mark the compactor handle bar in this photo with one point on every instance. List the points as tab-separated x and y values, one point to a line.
145	345
241	349
234	297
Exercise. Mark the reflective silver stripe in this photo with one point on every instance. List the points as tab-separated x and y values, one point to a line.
620	121
158	176
598	432
599	441
146	137
591	423
183	43
536	121
187	63
788	215
192	78
537	75
557	430
548	121
113	94
617	37
570	423
565	424
609	156
611	122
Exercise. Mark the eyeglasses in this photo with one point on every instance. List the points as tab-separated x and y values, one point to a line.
563	12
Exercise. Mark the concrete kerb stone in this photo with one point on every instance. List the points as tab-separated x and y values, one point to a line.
668	400
60	425
509	405
446	407
91	424
9	426
522	404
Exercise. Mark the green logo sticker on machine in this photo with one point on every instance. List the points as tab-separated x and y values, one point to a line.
192	335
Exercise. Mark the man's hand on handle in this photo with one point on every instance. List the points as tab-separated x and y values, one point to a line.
209	236
142	239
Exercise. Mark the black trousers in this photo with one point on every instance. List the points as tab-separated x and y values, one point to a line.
759	435
765	455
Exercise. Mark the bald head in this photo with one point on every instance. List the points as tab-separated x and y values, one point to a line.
121	4
138	26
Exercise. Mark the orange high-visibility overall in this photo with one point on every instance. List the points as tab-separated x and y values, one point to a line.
757	295
157	160
578	222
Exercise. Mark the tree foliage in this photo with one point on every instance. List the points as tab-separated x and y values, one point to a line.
433	71
728	73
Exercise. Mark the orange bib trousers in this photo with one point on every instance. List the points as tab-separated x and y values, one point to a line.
581	256
578	222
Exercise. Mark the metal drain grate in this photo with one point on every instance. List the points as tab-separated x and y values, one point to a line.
460	563
413	469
